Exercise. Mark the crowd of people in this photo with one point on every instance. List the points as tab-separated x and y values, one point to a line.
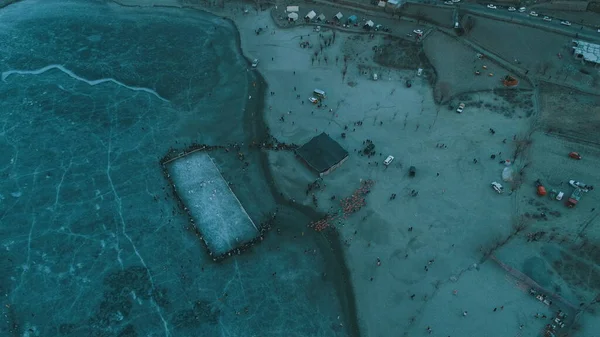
349	205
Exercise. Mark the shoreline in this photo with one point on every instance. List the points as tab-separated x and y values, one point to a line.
330	240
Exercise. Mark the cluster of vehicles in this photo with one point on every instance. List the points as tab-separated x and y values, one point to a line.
532	13
579	188
558	322
572	201
318	96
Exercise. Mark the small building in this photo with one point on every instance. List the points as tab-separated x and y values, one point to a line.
338	16
321	17
369	24
322	154
293	16
292	9
586	51
352	19
311	15
381	4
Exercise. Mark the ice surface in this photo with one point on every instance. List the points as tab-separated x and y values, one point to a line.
216	210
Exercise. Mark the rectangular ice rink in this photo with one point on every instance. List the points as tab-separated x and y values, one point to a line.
216	210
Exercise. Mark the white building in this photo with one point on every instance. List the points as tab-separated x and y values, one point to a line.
292	9
311	15
588	52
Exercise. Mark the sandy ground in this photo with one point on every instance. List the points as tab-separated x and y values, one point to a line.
456	68
456	215
446	229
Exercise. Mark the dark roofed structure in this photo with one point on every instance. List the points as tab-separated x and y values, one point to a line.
322	154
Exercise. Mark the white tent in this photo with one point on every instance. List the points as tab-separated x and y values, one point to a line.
381	4
292	8
311	15
293	16
370	24
321	17
339	16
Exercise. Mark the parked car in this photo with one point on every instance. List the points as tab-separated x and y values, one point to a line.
522	10
511	9
412	171
255	63
497	187
388	160
574	198
581	186
547	18
448	3
460	108
455	1
418	32
560	195
490	6
532	13
566	23
313	100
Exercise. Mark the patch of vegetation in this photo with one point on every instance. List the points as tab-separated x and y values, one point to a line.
399	54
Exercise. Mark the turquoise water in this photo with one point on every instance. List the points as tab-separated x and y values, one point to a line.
91	241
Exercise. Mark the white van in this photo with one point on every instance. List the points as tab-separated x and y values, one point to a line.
388	160
319	93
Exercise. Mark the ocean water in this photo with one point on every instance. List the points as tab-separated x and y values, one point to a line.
92	242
